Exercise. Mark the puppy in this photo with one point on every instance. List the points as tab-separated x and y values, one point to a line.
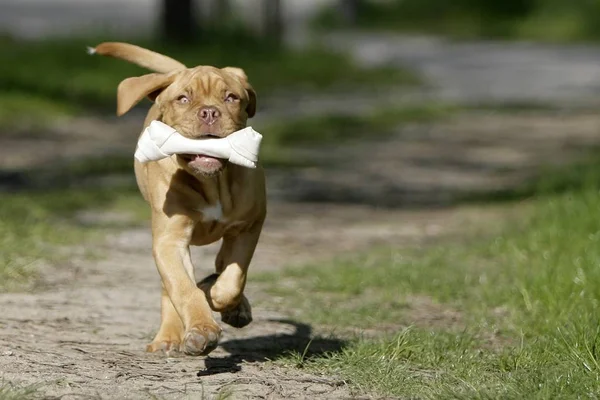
196	199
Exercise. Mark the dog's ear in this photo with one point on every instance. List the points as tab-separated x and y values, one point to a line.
132	90
251	109
241	75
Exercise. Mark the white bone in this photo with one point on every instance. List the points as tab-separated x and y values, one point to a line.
160	141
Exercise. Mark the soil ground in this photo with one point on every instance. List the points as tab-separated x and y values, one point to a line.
83	330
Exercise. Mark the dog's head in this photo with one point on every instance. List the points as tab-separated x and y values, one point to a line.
201	102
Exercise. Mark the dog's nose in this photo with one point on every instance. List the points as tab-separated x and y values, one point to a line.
209	115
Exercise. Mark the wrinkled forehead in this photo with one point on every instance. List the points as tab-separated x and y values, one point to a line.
205	80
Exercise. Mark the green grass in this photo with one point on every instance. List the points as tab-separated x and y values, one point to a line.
9	391
31	111
57	76
35	225
573	178
545	20
528	300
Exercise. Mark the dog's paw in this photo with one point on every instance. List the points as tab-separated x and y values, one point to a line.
201	340
239	316
168	347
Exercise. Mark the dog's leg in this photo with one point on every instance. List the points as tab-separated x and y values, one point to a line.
171	329
225	289
171	238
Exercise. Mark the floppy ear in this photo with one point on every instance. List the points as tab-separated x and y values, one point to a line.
132	90
241	75
251	109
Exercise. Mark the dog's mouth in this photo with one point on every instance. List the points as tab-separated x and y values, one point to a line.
203	163
197	157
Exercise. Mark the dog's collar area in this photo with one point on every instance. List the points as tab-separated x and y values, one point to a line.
160	140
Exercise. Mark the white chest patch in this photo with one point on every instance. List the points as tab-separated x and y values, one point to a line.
212	213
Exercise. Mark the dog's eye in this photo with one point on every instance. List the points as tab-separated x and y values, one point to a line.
183	99
231	98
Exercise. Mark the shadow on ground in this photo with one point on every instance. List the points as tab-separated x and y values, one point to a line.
271	347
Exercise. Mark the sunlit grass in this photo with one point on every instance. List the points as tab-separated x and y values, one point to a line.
528	303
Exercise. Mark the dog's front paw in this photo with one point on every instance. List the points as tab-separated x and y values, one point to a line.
239	316
200	340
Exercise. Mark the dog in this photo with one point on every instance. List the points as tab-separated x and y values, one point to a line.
196	199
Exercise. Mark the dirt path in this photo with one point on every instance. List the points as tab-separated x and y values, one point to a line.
84	333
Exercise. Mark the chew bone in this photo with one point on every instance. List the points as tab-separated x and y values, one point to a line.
160	141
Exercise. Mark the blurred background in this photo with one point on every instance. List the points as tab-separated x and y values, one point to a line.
399	135
387	104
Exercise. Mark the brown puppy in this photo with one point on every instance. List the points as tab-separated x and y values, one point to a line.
196	199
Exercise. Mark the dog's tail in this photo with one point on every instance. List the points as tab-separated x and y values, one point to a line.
137	55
